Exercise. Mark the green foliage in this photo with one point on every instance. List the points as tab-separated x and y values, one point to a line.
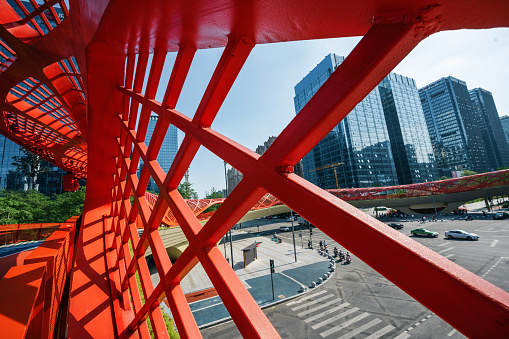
444	178
467	172
27	207
187	191
214	194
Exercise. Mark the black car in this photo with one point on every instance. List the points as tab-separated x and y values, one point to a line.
501	215
395	225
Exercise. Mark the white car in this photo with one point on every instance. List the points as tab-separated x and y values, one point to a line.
290	219
284	229
460	234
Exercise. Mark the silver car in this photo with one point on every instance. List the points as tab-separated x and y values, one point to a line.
460	234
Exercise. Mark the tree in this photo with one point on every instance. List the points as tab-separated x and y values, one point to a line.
187	191
467	172
214	194
29	165
444	178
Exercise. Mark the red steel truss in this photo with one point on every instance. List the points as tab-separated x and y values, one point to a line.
74	91
455	185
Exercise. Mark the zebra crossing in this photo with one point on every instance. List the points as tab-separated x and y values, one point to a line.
323	309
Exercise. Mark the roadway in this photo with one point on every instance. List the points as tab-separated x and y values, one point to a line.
361	302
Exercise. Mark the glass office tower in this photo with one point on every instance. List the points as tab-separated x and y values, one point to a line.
505	126
166	154
497	149
357	152
410	142
452	125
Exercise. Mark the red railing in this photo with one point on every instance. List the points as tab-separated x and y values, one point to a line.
32	295
15	233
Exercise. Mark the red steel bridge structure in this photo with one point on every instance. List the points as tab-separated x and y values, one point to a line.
494	180
78	81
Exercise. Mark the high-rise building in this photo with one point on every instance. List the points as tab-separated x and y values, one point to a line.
505	126
167	152
452	125
47	183
495	143
357	152
408	133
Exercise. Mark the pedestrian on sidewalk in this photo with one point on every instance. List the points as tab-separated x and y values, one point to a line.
321	245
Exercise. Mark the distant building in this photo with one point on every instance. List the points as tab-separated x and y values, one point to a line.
497	149
357	152
505	126
408	133
452	125
234	177
47	183
167	152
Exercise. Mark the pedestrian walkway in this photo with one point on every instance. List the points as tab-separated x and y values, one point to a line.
288	278
326	313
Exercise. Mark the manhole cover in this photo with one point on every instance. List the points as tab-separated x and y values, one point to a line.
281	296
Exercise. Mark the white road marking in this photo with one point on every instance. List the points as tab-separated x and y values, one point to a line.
199	309
323	314
494	243
345	324
330	320
449	255
492	267
311	310
443	244
298	282
360	329
447	249
328	296
403	335
306	298
451	333
381	332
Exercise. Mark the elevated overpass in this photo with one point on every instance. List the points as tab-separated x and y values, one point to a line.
444	195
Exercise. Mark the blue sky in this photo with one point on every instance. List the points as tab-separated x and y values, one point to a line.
260	103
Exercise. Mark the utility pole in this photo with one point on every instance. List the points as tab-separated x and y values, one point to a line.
293	235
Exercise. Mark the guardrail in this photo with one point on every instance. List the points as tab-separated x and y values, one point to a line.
14	233
35	295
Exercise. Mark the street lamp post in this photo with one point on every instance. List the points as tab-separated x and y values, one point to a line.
293	235
226	195
434	206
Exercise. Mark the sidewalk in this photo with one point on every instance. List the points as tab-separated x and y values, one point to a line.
289	275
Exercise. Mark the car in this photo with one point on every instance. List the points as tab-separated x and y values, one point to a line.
290	219
284	229
500	215
396	226
460	234
424	232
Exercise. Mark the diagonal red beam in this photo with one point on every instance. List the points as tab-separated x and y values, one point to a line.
379	51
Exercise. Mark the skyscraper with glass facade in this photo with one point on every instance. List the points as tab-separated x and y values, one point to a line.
452	125
497	149
357	152
166	154
48	183
505	126
408	133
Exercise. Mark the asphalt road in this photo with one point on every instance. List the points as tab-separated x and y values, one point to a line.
357	302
